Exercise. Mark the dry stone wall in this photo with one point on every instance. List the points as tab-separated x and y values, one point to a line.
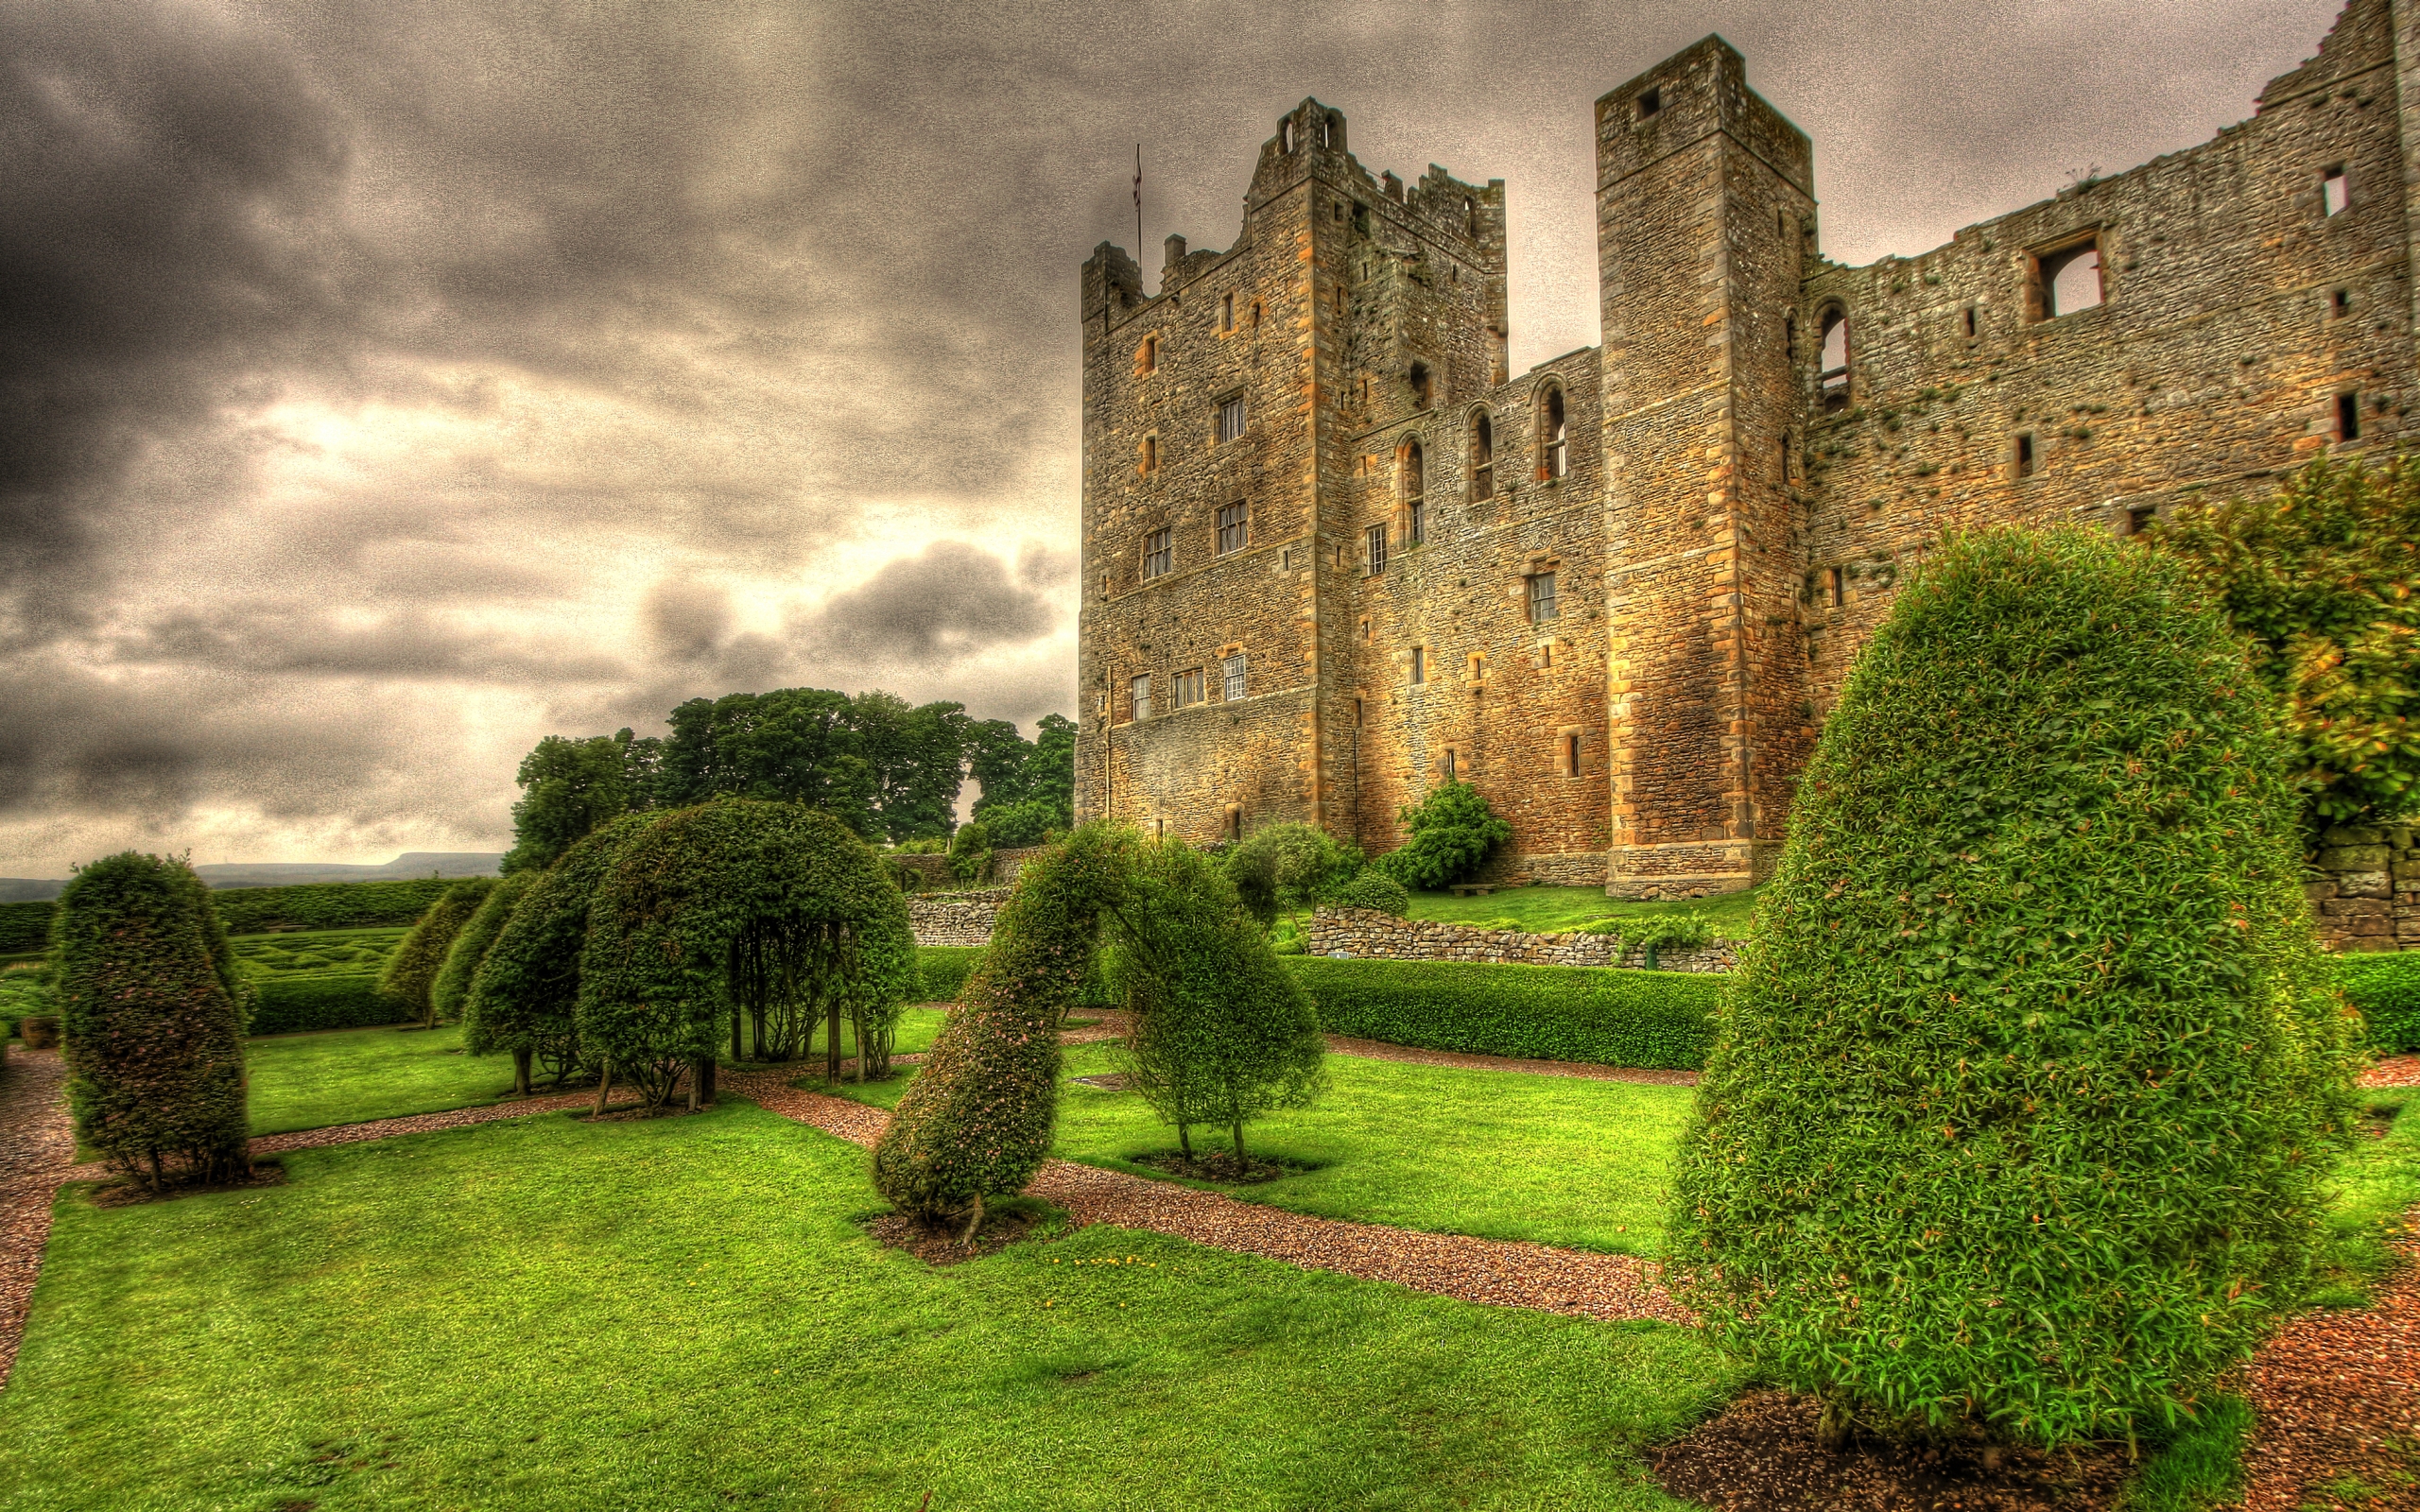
1365	935
2368	893
956	918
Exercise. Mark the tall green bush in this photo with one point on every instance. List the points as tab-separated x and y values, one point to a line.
1286	869
2019	1117
1452	833
448	994
977	1120
741	909
1221	1033
410	975
525	995
151	1018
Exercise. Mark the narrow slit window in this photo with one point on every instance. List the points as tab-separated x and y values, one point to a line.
1189	688
1226	312
2348	417
1784	458
1235	822
1542	600
1235	529
1140	692
1418	664
1231	673
1571	755
1231	420
1482	456
1159	553
1453	765
1147	357
1378	540
1554	435
1151	454
1284	135
1970	322
1415	493
1834	588
1832	375
2024	455
2071	280
2335	192
2341	302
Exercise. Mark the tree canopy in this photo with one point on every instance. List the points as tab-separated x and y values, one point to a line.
569	787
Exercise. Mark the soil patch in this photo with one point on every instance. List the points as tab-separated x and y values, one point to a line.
941	1246
1761	1455
1222	1167
123	1194
1115	1081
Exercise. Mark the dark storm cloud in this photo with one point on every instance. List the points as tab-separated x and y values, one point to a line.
949	603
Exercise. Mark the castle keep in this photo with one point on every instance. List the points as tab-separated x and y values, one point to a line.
1335	552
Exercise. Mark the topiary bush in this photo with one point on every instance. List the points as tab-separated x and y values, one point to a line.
306	1001
977	1120
1375	890
451	990
525	996
1452	832
410	975
151	1014
2019	1117
771	913
1660	1021
941	970
2386	988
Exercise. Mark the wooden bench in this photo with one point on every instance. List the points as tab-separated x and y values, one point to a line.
1474	890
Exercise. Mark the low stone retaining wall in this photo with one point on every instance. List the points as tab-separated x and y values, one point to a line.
2368	893
955	917
1362	934
932	872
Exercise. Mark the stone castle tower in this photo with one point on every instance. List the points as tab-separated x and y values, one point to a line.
1335	552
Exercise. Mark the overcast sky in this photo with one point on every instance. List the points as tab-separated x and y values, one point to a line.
385	385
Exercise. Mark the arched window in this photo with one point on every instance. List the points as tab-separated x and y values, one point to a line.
1329	126
1832	376
1554	435
1285	135
1470	216
1147	357
1411	468
1482	455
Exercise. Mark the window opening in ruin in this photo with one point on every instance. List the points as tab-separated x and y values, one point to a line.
1285	135
1546	656
1553	436
2025	457
1832	372
1453	765
1377	536
1470	216
1419	663
1836	586
1781	223
1790	337
1231	420
1226	312
1365	629
1482	456
1357	712
1415	491
1140	692
2342	301
1785	458
1477	671
1235	529
1255	315
2335	192
2141	518
1650	103
2071	279
1970	322
1235	822
1327	130
1571	755
1231	673
1159	553
1147	357
1151	454
1360	219
1542	600
1420	385
2348	417
1189	688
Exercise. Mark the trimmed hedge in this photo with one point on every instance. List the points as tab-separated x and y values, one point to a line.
252	910
295	1003
1661	1020
24	927
941	970
2386	988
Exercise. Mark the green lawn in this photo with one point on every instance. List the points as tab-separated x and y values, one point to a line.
1503	1155
1548	910
354	1076
546	1315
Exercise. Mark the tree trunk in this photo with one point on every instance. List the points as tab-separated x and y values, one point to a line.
604	1084
706	1080
735	1033
521	1071
973	1223
697	1074
1237	1129
832	1042
1183	1138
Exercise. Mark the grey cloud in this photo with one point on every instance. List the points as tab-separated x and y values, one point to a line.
950	602
686	621
310	640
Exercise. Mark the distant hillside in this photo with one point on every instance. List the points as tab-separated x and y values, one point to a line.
409	865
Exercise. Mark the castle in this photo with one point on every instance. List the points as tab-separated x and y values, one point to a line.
1335	552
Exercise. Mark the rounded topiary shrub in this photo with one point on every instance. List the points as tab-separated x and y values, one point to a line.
1374	889
2017	1117
450	992
151	1013
525	995
411	971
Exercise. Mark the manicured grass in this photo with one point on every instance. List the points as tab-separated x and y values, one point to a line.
1551	910
547	1315
354	1076
1503	1155
2378	1183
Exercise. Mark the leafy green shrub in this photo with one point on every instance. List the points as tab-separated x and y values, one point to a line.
2386	988
970	853
25	993
1452	832
977	1120
1658	1020
941	970
2018	1119
1221	1033
1656	933
152	1015
1286	869
303	1002
452	989
769	911
1374	889
410	973
24	927
525	995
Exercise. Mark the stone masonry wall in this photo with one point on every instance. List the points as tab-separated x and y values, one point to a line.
1365	935
956	918
2368	895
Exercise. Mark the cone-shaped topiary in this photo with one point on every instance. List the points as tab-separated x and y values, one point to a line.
412	971
451	991
148	1007
1223	1032
2022	1096
526	994
738	908
977	1120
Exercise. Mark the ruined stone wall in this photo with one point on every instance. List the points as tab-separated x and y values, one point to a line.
2367	895
1364	934
956	918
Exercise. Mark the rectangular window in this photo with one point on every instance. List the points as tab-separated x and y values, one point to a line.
1419	521
2335	193
1140	690
2025	457
1834	588
2348	417
1231	420
1453	765
1571	755
2341	302
2069	279
1419	663
1542	602
1226	312
1233	528
1159	553
1189	688
1232	672
1970	322
1378	535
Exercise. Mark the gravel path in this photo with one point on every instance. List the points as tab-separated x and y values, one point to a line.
2338	1395
1610	1287
37	1149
